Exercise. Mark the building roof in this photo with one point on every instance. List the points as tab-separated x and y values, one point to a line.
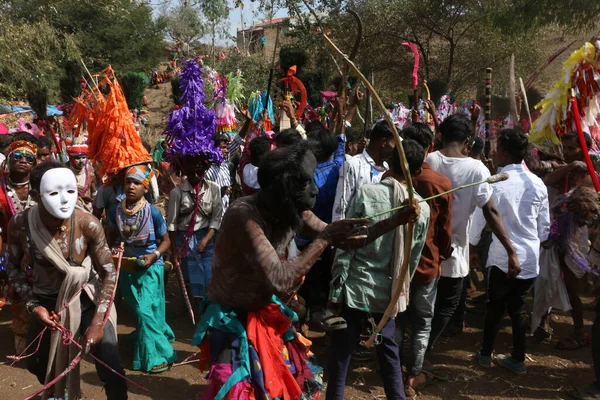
270	22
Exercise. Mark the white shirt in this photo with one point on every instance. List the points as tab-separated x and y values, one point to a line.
461	171
357	171
251	176
523	203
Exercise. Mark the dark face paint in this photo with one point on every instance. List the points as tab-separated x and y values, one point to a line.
306	198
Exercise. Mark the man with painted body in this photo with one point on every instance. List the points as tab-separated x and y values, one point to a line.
61	243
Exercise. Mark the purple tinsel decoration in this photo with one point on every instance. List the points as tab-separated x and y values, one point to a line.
191	128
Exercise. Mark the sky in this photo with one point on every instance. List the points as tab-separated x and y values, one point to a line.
250	14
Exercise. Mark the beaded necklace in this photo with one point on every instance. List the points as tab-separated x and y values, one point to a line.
16	205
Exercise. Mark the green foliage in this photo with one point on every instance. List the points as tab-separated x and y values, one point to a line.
70	82
290	56
254	69
176	90
134	84
40	37
184	25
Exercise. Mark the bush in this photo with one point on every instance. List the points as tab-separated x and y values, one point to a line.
133	84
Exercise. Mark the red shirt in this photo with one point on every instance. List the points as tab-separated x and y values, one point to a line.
438	245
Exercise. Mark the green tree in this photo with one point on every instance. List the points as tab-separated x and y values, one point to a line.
216	13
184	26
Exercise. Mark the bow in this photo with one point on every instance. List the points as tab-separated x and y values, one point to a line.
408	179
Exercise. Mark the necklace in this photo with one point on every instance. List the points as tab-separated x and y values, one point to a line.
17	204
130	228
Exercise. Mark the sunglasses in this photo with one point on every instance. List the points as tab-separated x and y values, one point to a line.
19	155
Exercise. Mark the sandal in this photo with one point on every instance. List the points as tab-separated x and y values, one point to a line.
328	321
543	336
157	369
572	342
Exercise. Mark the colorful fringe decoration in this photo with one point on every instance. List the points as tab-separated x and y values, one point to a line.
112	138
582	73
295	85
191	128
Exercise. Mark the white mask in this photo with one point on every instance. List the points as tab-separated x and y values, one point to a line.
58	191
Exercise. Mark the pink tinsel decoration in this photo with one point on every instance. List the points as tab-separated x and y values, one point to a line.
415	74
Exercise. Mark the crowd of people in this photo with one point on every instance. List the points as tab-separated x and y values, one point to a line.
276	231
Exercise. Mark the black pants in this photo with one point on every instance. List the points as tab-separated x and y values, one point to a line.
342	344
505	294
107	350
596	344
448	295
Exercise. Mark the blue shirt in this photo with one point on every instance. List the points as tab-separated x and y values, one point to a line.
327	175
159	228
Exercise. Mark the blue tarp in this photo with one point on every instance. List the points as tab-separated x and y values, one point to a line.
51	110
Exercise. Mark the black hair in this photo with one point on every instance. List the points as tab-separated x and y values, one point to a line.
314	126
323	144
478	145
288	137
574	135
514	143
415	155
5	141
43	143
420	133
220	138
281	176
353	135
456	129
259	147
381	130
26	136
35	177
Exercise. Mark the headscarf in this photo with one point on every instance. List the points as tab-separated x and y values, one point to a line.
24	146
140	173
159	152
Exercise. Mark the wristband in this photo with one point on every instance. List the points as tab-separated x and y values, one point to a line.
157	254
31	305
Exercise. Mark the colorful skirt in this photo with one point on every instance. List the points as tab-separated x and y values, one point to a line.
144	291
255	355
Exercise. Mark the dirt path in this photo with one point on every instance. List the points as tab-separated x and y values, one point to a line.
551	373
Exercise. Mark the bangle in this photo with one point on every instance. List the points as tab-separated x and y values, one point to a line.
32	305
157	254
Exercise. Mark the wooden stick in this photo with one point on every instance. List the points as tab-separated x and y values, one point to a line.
491	180
526	102
408	180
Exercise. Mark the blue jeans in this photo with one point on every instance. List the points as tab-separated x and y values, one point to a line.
418	316
343	342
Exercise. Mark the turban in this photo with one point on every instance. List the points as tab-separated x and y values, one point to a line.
140	173
22	145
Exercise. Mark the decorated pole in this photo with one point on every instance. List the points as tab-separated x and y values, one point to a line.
270	83
488	102
408	180
415	79
586	153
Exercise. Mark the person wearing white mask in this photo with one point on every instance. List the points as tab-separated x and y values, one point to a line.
74	279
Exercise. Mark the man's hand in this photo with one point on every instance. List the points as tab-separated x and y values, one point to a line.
408	214
430	107
346	229
93	336
358	96
244	111
202	245
514	267
578	166
286	106
48	318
